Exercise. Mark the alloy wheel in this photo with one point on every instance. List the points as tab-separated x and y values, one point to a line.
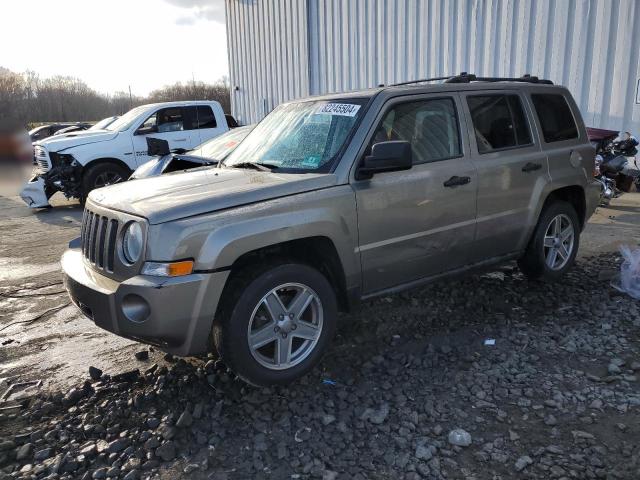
285	326
106	179
559	240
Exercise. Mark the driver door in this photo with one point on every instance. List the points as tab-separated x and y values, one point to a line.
168	124
418	223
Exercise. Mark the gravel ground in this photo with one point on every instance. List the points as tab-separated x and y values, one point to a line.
410	388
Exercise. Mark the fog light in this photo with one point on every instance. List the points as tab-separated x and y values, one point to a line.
135	308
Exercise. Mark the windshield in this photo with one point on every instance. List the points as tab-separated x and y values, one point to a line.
218	148
300	136
103	123
125	121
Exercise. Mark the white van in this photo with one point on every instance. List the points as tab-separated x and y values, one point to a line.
77	163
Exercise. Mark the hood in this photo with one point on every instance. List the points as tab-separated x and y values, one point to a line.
76	139
171	197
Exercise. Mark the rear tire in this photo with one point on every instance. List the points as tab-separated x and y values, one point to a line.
554	244
102	175
278	326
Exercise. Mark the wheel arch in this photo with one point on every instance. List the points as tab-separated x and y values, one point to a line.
104	160
318	252
572	194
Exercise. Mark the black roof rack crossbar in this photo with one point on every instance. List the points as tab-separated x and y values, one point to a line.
465	77
410	82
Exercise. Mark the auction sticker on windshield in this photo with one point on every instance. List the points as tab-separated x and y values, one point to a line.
344	109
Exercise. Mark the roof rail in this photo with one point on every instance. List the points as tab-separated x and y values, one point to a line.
465	77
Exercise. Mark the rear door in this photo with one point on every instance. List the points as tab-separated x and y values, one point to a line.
417	223
206	123
563	136
512	170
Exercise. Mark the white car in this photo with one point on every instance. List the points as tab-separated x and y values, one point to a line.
76	163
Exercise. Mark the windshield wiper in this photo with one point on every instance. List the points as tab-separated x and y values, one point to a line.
263	167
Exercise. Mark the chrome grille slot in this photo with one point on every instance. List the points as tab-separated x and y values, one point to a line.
113	231
42	158
98	239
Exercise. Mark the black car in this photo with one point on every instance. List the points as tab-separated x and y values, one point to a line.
45	131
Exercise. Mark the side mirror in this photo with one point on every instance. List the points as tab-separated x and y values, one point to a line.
389	156
157	147
147	130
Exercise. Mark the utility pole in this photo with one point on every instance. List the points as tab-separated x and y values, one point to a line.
130	99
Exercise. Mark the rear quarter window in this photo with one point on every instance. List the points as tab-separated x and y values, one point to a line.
555	117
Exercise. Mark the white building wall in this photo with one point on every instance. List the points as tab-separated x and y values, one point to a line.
591	46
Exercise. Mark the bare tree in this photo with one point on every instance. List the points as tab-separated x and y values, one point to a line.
27	99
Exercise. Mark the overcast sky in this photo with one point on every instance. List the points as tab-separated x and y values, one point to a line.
116	43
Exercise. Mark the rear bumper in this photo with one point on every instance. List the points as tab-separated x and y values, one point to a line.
174	314
592	193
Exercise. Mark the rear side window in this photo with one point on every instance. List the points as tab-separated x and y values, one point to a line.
431	126
200	117
499	122
555	117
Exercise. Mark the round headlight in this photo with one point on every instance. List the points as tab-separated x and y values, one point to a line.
132	242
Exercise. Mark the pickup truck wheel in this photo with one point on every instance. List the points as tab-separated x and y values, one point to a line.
102	175
279	326
554	245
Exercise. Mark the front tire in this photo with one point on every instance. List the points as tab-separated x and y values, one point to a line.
280	324
553	247
102	175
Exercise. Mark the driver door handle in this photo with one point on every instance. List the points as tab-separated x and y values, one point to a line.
456	181
530	167
180	140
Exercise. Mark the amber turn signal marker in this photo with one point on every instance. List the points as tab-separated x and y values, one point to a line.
178	269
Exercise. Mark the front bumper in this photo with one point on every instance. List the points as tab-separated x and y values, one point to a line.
33	193
174	314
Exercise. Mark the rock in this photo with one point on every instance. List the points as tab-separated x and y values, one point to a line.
153	423
523	462
132	475
142	355
24	452
95	373
424	452
328	419
459	437
184	420
118	445
73	396
127	377
42	455
100	474
614	369
166	451
376	416
7	445
329	475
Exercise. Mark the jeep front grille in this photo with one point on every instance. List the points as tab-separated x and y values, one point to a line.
42	158
98	237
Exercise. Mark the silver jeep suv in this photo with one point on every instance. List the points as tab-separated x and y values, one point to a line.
329	201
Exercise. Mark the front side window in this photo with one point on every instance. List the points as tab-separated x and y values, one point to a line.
555	117
127	120
499	122
430	126
300	136
165	120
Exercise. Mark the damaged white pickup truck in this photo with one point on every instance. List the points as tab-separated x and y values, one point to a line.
79	162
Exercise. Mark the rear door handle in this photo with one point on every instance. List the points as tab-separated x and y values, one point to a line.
530	167
456	181
180	140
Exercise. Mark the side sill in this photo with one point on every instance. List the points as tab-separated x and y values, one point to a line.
452	273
